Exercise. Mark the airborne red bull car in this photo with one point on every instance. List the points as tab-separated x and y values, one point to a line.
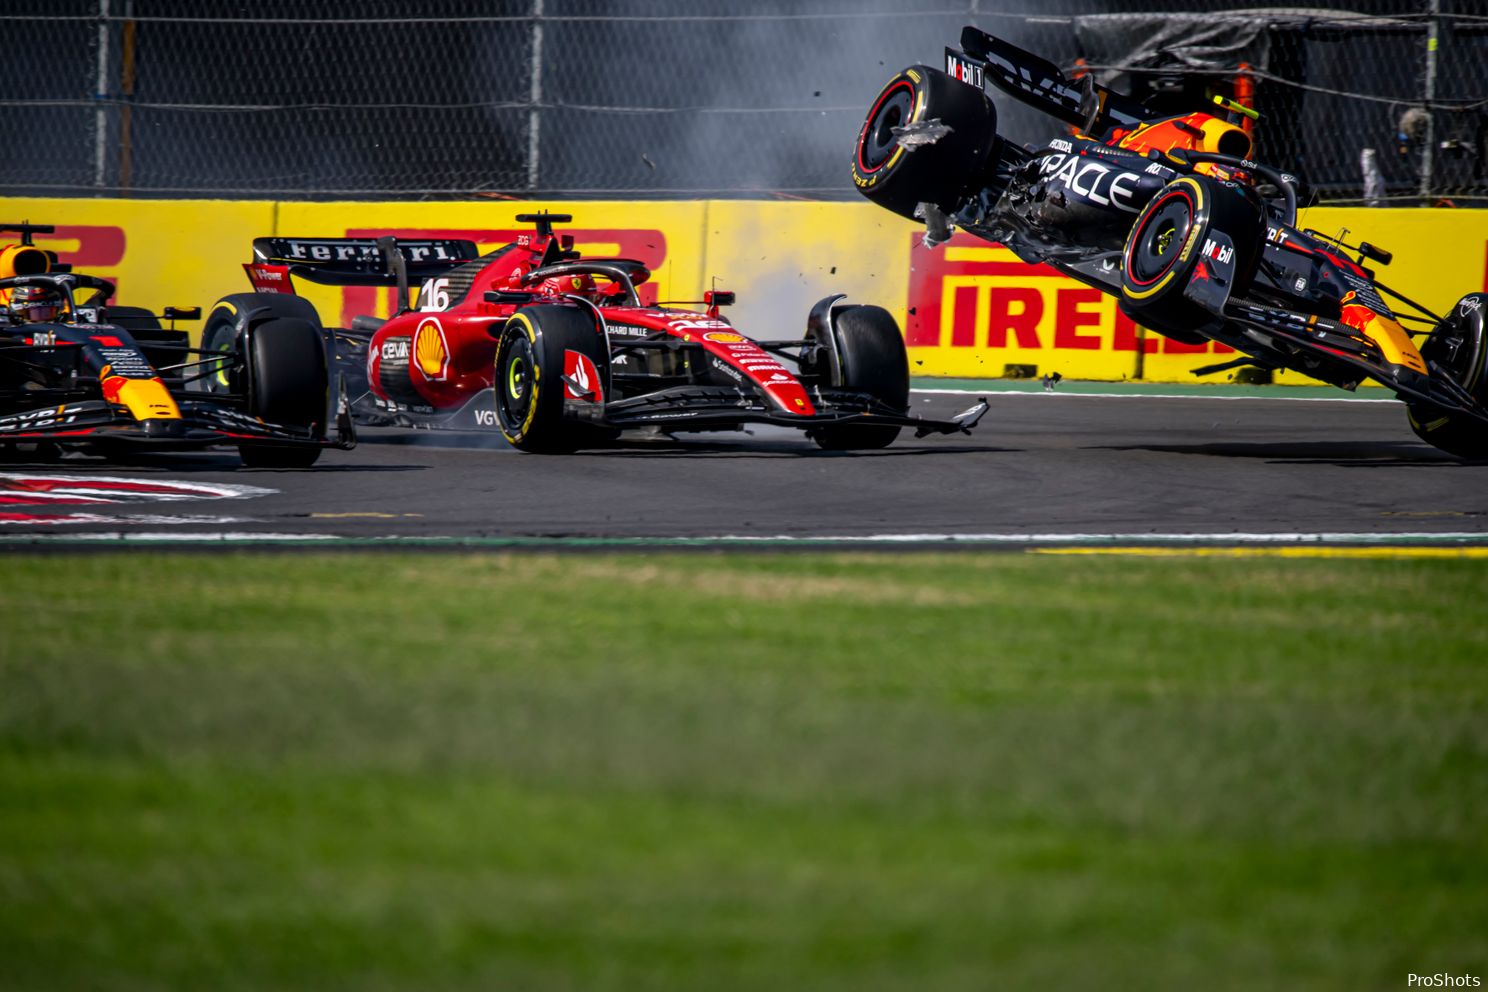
558	352
1170	215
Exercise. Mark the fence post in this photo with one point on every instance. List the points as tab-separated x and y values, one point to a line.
535	98
1428	144
100	93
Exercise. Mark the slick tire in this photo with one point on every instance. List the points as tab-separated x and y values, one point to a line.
871	350
225	326
899	178
1458	346
529	379
287	384
1164	247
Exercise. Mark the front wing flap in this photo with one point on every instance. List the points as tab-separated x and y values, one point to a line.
202	423
702	408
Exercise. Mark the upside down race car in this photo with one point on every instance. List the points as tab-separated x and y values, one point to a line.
83	375
558	353
1171	216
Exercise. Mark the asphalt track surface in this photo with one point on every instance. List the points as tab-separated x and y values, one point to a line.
1041	467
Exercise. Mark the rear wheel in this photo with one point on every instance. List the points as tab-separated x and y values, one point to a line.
871	351
530	388
1166	245
288	386
941	171
1459	348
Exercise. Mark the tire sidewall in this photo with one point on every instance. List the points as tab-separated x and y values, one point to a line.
1456	433
548	332
1213	207
941	172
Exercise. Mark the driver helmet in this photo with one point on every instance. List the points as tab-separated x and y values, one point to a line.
581	284
35	304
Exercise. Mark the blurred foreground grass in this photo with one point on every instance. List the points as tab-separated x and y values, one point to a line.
741	772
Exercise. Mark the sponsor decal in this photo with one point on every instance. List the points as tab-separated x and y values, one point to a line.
269	278
1093	180
629	330
430	350
1219	252
394	349
727	370
35	420
958	68
485	418
1470	304
1060	145
581	378
724	337
697	324
985	307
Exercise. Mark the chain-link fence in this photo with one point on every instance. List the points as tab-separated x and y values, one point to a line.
655	98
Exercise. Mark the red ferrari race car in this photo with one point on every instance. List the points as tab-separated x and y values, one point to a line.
1171	216
81	374
558	353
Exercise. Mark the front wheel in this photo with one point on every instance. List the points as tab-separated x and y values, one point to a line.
1167	242
1458	347
871	351
288	386
548	354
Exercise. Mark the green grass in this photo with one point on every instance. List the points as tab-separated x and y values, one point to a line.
741	772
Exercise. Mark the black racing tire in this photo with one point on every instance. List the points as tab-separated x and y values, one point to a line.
1458	346
529	379
1165	245
942	173
225	326
871	350
288	385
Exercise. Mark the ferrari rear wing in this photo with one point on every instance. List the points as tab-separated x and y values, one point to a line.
351	261
1040	83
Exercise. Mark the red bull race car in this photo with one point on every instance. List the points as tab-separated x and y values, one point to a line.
77	373
557	352
1170	215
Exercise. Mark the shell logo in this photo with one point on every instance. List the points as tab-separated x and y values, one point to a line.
430	352
724	337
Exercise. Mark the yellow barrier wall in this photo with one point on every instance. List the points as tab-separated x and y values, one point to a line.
968	308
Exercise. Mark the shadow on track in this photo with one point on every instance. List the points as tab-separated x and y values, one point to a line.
1345	454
